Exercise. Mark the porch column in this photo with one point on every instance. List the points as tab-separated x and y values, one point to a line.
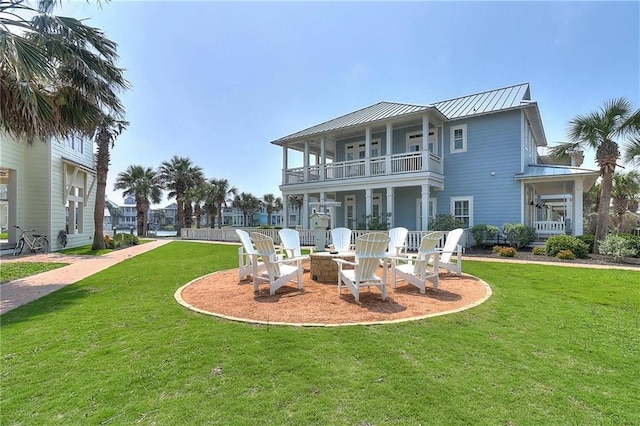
425	143
368	195
285	211
392	218
388	149
578	190
323	158
306	161
425	207
305	211
285	163
322	206
367	151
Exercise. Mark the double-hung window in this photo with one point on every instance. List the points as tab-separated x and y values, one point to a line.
462	208
459	138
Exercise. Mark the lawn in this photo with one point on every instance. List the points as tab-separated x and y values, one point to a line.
553	345
13	270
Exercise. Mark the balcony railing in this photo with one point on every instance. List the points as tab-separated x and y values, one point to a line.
411	162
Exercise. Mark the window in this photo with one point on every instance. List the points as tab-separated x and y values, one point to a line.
75	143
433	210
459	138
462	208
75	211
414	142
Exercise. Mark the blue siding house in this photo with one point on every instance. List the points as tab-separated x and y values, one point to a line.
479	158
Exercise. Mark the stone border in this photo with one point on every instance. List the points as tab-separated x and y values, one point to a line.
178	296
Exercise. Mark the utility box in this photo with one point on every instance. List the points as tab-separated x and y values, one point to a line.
320	222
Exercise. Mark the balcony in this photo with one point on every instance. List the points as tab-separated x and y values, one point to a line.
388	165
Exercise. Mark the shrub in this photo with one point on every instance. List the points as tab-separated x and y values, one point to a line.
445	222
557	243
519	235
124	240
618	246
539	251
588	239
482	233
508	252
108	242
496	249
634	242
566	255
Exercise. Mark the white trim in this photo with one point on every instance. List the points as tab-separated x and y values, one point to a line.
467	198
433	210
453	149
350	201
414	139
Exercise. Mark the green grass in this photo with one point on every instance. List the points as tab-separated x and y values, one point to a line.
553	345
4	235
13	270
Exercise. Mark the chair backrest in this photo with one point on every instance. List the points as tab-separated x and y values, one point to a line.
341	239
267	251
453	238
398	240
246	241
426	249
370	249
291	242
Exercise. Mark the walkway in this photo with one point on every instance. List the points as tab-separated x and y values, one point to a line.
24	290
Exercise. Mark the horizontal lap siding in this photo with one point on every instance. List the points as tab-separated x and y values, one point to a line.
493	145
405	206
36	188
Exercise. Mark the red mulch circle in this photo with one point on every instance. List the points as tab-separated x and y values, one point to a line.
223	294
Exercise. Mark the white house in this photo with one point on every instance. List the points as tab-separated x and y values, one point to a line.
50	187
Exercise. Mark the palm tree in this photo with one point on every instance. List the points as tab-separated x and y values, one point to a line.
249	204
219	192
625	193
57	75
596	130
178	175
197	196
106	135
271	204
296	201
144	185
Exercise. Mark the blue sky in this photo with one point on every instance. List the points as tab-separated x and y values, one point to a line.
217	81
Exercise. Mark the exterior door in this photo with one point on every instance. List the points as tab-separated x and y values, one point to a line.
350	212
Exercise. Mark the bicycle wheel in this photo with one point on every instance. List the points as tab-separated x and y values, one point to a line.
19	247
41	244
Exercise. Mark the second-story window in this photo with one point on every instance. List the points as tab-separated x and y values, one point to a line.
459	138
75	143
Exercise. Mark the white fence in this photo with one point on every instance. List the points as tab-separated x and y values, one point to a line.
548	227
307	236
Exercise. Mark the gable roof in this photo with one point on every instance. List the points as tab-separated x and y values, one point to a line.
478	103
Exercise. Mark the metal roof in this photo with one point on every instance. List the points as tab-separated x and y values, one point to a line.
376	112
537	171
485	102
479	103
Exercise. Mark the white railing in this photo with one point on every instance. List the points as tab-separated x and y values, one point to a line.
410	162
307	236
549	227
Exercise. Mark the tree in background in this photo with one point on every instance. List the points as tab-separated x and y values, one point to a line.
296	201
271	204
143	184
220	190
197	196
625	194
177	176
249	204
597	130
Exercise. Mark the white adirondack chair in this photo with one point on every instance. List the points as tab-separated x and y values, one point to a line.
247	256
451	247
278	272
341	239
370	250
398	243
414	268
290	243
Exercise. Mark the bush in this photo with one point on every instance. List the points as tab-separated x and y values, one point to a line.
566	255
519	235
618	246
496	249
482	233
539	251
588	239
124	240
108	242
557	243
634	242
508	252
445	222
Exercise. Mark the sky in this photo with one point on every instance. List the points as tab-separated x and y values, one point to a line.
218	81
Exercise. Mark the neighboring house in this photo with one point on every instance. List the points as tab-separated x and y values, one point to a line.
49	187
474	157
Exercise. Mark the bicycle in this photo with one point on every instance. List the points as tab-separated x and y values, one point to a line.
36	243
62	238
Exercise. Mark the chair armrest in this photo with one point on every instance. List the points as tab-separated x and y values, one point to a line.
345	262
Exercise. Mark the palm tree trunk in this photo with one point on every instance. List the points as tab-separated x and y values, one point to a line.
102	169
179	213
602	223
219	216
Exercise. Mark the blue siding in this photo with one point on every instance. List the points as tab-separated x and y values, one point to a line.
493	145
405	206
340	144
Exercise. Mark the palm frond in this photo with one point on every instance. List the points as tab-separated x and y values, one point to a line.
564	151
